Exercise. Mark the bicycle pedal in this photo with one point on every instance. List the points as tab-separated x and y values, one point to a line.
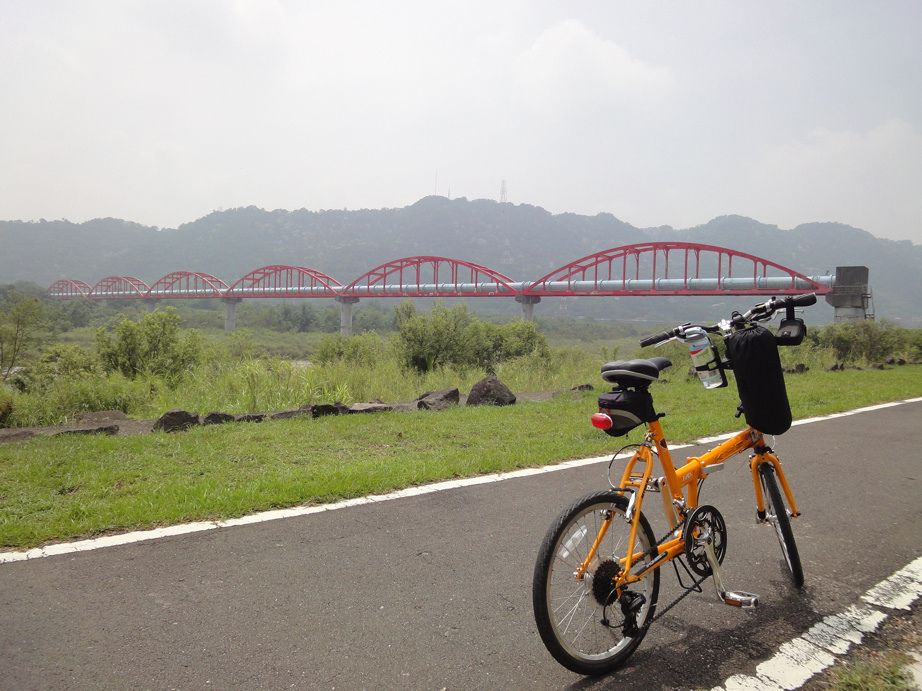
741	599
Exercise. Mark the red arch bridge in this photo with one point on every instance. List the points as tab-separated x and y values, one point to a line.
651	269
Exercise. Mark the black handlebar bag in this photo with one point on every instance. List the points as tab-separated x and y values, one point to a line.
759	379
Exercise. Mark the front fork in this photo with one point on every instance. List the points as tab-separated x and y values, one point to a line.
765	455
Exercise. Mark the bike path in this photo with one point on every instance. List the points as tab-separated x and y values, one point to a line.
434	591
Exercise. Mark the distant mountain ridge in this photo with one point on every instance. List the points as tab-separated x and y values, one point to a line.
521	241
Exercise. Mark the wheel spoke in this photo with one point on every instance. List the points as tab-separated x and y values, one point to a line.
579	617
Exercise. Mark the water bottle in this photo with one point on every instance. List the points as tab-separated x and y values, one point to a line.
705	358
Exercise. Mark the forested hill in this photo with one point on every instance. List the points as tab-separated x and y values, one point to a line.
522	241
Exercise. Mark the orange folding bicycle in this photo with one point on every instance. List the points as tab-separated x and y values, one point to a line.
596	578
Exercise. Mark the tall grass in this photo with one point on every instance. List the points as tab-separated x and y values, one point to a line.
262	384
69	396
238	377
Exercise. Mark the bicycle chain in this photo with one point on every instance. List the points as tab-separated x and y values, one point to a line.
694	588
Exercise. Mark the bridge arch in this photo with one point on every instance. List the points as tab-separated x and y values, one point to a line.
284	281
431	277
120	288
187	285
672	268
69	289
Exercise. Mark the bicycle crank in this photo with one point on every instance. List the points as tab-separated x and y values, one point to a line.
705	538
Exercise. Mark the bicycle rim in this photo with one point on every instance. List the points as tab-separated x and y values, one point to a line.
582	627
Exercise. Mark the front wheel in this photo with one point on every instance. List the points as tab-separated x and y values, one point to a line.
776	514
586	623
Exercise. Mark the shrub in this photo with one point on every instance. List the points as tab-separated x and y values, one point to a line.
491	344
428	341
863	341
151	345
58	361
454	337
914	345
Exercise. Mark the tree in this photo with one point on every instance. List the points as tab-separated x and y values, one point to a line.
151	345
24	322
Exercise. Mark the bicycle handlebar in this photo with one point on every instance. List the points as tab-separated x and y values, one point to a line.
766	310
761	312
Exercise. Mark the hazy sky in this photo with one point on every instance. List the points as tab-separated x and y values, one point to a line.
658	112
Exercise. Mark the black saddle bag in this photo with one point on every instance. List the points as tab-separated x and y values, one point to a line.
760	380
627	409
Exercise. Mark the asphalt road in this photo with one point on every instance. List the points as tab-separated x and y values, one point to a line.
434	591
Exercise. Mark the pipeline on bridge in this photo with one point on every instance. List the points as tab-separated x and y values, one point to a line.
660	269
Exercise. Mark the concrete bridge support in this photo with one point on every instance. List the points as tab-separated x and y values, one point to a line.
345	319
528	306
851	294
230	313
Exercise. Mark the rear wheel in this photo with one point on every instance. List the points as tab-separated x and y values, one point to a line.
587	624
776	514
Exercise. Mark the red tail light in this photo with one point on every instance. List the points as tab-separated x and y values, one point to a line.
601	421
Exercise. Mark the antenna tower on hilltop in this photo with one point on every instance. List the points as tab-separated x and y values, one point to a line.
502	193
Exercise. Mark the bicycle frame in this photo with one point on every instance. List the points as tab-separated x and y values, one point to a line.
679	487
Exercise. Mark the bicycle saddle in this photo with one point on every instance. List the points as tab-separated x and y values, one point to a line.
634	372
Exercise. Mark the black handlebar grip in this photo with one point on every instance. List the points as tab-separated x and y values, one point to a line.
804	300
653	339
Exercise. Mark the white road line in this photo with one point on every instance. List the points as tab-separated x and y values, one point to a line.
797	661
156	534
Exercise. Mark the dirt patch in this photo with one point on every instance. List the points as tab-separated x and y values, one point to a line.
126	428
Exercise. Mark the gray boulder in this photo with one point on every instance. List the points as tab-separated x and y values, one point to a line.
177	420
286	414
324	409
490	391
439	400
250	417
370	408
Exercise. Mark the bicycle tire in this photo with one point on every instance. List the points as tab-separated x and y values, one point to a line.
776	514
581	632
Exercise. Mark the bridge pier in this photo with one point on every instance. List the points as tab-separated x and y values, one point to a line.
345	318
851	294
151	303
528	306
230	313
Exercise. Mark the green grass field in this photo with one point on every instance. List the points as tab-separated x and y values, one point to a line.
56	489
